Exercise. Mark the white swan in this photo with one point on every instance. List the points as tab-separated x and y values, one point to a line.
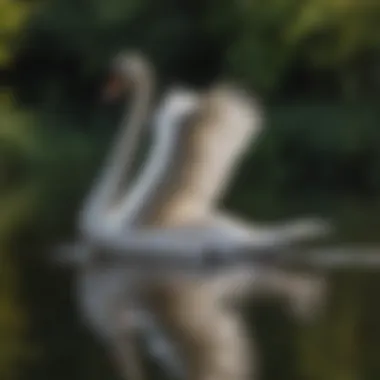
172	209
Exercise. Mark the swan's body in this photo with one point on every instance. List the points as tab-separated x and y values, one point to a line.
174	200
172	207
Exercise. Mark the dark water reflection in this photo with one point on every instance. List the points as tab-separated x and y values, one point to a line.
343	345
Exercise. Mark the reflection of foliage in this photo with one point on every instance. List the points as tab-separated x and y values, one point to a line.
14	349
330	349
15	208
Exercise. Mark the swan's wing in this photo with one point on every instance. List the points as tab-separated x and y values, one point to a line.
289	232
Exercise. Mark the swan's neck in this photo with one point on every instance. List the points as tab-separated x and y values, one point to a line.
144	192
118	164
126	143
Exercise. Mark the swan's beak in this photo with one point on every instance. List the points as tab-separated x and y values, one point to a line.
114	88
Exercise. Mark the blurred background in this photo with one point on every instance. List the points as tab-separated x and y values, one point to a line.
315	64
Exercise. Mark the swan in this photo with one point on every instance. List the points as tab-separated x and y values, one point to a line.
172	209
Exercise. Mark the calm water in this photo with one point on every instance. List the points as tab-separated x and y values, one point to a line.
343	345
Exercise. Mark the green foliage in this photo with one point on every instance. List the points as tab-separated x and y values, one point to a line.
13	15
341	29
260	43
323	152
316	156
93	31
265	38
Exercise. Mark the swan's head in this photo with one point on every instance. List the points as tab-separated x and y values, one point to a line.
128	69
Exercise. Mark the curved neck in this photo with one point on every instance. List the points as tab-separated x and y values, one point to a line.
119	162
145	189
